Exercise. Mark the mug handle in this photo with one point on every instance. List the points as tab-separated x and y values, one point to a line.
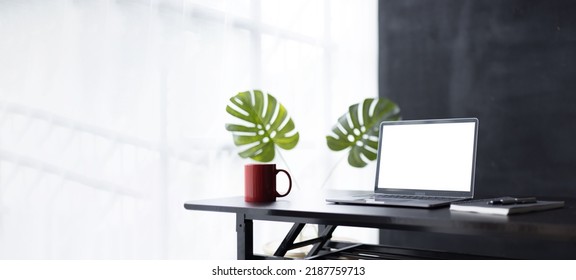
289	180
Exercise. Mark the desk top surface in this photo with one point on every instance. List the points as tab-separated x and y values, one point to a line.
559	224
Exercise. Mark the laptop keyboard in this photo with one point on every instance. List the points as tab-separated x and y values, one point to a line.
387	196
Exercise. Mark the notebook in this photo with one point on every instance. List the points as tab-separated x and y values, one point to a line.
422	163
482	206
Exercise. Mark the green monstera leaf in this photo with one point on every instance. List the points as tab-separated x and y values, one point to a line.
358	129
268	125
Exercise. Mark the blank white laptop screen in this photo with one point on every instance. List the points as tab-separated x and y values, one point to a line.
435	156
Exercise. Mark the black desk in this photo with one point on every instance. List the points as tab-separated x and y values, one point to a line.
554	227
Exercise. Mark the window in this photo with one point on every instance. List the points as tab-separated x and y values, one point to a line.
112	115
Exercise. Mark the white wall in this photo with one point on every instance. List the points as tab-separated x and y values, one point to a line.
112	115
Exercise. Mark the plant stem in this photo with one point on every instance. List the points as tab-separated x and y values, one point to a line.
287	166
332	171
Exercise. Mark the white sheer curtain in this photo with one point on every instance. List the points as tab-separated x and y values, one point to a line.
112	115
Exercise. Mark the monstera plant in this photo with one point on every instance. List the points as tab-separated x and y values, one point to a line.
358	129
267	125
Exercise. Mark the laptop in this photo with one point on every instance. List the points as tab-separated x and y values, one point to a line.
422	163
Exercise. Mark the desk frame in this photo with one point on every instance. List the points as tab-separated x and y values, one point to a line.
548	227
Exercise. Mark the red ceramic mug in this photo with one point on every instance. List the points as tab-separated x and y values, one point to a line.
260	183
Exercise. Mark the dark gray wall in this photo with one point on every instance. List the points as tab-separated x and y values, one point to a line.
510	63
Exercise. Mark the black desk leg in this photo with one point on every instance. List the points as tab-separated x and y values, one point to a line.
288	242
323	238
244	237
